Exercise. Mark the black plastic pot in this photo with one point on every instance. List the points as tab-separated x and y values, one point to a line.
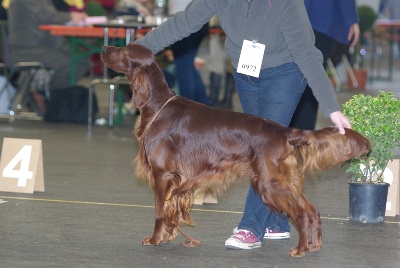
367	202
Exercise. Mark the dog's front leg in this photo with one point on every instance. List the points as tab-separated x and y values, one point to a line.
160	191
157	237
301	220
315	224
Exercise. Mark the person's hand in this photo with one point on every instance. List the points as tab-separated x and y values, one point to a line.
77	17
354	34
340	121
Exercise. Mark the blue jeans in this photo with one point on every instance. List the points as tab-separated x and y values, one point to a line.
190	84
273	95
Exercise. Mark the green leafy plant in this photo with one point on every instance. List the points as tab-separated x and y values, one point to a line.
378	119
367	17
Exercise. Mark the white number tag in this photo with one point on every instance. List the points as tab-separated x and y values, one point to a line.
251	58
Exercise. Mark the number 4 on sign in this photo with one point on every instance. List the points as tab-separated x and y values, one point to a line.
21	166
23	173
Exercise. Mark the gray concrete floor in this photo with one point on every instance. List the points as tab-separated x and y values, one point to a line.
94	212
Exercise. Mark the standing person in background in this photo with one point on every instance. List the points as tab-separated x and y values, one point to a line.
75	5
3	9
28	43
215	63
382	5
288	61
219	65
391	10
108	5
190	83
332	21
133	8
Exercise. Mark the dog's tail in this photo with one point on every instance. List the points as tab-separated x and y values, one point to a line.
326	148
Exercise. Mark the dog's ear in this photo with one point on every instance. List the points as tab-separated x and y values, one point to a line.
140	58
138	55
139	86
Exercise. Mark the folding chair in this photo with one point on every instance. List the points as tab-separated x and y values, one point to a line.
21	75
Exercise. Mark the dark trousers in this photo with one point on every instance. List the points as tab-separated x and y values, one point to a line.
190	83
305	115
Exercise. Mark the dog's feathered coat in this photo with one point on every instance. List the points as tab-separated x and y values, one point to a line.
186	146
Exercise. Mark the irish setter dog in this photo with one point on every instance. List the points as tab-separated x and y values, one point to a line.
187	146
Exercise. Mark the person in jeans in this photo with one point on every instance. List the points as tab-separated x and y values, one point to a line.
288	62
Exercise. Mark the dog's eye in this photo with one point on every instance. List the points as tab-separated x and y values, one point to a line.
123	53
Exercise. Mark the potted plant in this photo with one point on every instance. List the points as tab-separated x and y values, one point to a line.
378	119
367	17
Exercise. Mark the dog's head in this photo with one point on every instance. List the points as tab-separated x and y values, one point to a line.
134	61
328	147
352	143
126	59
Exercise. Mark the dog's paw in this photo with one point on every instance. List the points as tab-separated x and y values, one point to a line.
150	241
312	247
191	243
297	252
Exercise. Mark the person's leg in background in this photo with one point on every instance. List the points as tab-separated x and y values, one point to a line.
216	64
274	96
305	116
227	102
190	83
215	86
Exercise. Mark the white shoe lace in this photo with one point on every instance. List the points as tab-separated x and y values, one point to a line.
242	234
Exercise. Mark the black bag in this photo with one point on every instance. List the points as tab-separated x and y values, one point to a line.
70	105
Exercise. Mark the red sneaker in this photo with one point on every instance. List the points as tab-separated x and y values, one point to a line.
242	239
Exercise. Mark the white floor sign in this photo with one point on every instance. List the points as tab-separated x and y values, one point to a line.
21	166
